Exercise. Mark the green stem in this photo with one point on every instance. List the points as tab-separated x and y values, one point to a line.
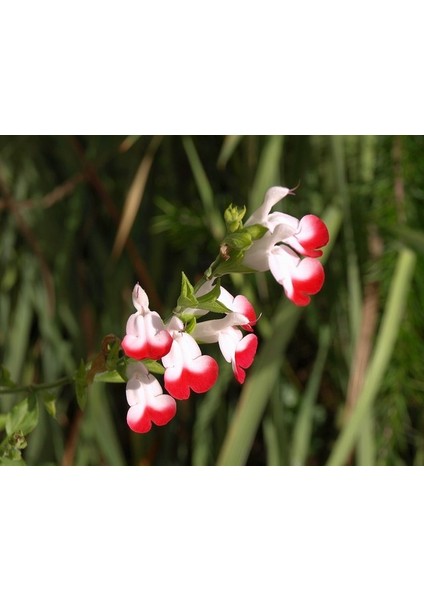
36	386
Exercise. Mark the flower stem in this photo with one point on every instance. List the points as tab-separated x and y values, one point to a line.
36	386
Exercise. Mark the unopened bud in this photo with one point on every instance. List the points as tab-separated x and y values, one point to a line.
233	216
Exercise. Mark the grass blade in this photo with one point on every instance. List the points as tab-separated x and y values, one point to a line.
229	145
303	426
134	198
353	277
268	171
257	388
103	426
205	189
384	346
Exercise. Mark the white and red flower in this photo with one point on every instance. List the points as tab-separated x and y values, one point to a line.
148	404
186	368
146	336
289	249
241	305
238	350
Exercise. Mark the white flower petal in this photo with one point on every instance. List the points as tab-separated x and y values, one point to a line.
140	299
228	341
272	196
208	332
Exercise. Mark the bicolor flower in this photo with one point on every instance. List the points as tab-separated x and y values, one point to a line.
289	249
186	368
148	404
146	336
241	305
236	349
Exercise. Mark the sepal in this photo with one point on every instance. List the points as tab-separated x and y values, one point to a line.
189	321
210	302
256	232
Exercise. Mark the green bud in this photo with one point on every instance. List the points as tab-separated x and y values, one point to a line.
18	440
233	217
50	404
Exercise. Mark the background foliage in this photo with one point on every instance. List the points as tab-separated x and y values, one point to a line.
83	218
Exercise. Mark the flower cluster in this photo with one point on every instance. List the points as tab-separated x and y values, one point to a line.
273	241
289	248
186	369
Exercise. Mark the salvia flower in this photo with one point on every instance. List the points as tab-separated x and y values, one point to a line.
186	368
148	404
238	350
289	249
239	304
146	336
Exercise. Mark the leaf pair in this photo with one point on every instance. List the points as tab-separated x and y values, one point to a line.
208	302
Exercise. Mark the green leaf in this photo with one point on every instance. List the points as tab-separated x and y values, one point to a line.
214	306
187	298
213	294
109	377
153	366
107	359
5	380
111	346
23	416
210	301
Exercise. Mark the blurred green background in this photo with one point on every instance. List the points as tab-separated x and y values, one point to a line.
83	218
